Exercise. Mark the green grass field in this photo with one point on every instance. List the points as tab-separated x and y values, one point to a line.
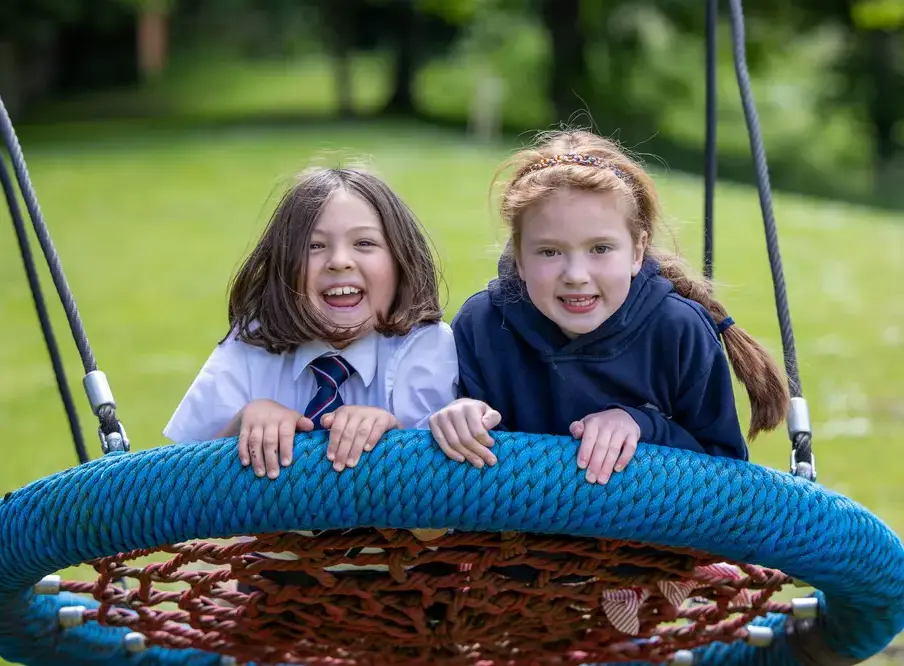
150	225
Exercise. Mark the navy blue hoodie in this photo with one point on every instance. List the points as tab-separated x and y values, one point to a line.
658	357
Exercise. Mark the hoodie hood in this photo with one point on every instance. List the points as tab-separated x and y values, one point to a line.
509	295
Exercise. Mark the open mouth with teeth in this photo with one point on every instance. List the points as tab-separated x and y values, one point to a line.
579	304
343	297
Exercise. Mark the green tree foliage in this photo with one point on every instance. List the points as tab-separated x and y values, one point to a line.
878	14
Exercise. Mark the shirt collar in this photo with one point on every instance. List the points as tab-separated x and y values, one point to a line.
361	355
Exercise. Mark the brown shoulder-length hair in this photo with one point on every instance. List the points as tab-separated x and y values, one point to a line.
582	160
266	309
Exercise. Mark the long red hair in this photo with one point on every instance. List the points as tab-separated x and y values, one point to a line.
583	160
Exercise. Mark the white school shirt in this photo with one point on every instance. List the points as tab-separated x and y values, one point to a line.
410	376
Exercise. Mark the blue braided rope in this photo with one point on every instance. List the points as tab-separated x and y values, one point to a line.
666	497
36	638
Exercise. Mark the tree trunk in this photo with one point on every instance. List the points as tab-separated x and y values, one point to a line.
10	88
343	76
336	16
153	42
885	107
569	65
402	100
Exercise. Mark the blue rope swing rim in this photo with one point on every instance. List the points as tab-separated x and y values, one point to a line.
170	494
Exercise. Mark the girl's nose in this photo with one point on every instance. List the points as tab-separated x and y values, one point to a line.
576	272
340	260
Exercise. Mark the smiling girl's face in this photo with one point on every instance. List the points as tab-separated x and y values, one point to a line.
577	257
351	274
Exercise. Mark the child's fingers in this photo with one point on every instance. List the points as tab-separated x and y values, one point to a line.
304	424
627	452
362	433
335	423
271	449
478	453
244	455
616	445
375	434
588	442
452	440
474	451
255	449
286	441
600	451
381	427
445	448
475	427
344	444
378	429
576	429
491	419
436	429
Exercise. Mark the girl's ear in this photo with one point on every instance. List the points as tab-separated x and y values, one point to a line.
640	249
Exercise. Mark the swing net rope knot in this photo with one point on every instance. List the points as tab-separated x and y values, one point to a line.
369	597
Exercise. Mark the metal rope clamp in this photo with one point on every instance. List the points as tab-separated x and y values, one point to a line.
799	424
99	395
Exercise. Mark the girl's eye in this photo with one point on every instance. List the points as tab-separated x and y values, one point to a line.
548	252
601	249
366	243
315	246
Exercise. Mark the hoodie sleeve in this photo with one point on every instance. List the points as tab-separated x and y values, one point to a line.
656	428
701	411
707	410
471	381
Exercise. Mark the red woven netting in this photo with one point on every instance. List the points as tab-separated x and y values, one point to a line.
462	599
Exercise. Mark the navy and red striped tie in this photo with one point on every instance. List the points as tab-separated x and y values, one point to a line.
330	372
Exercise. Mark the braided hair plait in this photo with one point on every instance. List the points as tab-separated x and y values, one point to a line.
752	364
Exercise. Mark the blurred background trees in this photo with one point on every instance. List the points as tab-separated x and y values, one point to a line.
829	74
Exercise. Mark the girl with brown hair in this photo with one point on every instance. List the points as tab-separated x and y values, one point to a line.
334	323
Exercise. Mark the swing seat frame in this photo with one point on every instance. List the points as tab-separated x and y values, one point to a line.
731	510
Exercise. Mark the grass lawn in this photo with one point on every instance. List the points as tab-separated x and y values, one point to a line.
150	225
